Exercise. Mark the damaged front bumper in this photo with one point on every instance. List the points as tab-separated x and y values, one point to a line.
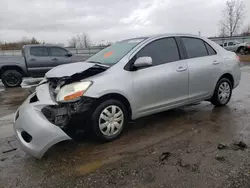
35	132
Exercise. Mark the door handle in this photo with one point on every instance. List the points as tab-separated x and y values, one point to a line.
54	59
216	62
181	69
32	59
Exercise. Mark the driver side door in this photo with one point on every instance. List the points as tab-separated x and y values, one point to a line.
163	85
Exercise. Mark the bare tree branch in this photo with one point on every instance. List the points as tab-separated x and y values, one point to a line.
246	31
233	16
73	42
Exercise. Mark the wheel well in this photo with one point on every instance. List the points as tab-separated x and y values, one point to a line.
118	97
11	68
229	77
238	49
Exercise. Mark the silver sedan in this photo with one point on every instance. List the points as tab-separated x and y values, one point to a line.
125	81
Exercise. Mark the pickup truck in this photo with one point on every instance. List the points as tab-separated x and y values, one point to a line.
35	61
241	48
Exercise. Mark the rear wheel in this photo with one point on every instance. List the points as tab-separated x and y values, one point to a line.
12	78
109	119
222	93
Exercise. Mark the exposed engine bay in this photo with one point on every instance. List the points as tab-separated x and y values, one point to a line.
70	116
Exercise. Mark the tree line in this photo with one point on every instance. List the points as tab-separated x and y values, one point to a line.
19	44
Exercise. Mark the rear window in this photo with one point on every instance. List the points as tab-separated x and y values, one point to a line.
39	51
114	53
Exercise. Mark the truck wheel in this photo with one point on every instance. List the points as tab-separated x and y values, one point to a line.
12	78
109	120
222	93
241	50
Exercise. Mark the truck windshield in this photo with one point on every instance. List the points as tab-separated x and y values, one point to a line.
114	53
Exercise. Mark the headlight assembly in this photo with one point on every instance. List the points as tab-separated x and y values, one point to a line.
73	91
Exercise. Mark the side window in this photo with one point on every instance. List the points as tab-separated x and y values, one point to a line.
195	47
55	51
210	50
230	43
39	51
161	51
225	44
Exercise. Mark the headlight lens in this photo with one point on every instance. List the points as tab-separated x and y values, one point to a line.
72	92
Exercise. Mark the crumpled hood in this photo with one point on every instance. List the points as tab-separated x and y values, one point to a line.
68	69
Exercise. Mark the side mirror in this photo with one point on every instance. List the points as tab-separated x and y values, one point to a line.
68	54
143	62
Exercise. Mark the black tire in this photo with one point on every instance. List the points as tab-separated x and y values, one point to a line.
216	100
12	78
241	50
96	115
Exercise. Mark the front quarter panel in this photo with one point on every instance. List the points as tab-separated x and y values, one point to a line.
114	80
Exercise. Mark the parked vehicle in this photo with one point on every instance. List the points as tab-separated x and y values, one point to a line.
127	80
35	61
241	48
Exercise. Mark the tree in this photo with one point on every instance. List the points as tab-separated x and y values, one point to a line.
83	40
233	15
80	41
34	41
246	31
73	42
223	32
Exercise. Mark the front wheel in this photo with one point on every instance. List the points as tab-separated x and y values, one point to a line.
12	78
222	93
109	119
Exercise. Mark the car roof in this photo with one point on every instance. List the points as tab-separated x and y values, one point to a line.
164	35
41	45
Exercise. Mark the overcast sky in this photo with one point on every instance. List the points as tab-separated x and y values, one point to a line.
55	21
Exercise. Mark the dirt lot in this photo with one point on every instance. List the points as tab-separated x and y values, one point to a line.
245	58
177	148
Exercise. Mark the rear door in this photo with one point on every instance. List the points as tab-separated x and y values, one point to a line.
59	56
38	61
204	66
165	83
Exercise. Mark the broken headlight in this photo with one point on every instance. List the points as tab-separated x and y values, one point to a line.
72	92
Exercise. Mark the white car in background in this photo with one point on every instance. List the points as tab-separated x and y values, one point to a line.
236	46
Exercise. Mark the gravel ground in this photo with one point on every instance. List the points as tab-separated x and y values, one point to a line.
194	146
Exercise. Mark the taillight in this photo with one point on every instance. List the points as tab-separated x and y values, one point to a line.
238	57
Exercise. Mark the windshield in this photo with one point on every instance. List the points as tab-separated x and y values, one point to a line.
114	53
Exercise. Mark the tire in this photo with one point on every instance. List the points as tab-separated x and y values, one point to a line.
219	98
241	50
12	78
109	121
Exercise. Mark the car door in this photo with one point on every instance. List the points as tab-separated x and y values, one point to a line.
164	84
231	46
38	61
59	56
204	66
